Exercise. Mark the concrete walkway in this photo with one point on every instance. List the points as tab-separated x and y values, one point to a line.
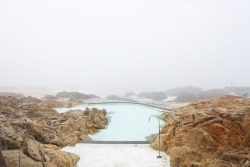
118	155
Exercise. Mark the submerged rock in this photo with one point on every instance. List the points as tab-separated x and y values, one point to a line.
208	133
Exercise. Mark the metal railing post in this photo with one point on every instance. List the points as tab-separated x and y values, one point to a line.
159	147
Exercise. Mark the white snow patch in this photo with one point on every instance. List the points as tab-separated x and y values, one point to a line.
118	155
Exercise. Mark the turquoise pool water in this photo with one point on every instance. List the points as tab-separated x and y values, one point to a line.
128	122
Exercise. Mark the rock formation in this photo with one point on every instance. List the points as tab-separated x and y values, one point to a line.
2	160
75	95
50	97
190	94
67	99
208	133
16	95
31	133
58	104
33	153
153	95
213	93
113	97
186	97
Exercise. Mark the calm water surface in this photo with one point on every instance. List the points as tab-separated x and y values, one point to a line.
128	122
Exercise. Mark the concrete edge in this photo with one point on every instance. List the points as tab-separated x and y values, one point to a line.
114	142
149	105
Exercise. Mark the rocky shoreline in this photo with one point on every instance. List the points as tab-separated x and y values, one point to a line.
32	134
203	133
208	133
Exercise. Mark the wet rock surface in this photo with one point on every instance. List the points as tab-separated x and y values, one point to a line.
32	134
208	133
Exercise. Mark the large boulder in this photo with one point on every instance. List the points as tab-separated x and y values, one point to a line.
16	158
33	153
31	133
208	133
2	160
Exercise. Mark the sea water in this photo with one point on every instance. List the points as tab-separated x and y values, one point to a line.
127	121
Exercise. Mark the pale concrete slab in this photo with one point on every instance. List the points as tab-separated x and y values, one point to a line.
118	155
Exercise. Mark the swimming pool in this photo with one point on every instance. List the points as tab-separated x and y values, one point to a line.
127	121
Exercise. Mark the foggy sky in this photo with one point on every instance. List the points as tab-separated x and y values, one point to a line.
113	46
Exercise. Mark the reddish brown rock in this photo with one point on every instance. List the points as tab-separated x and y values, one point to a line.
31	133
2	160
208	133
33	153
58	104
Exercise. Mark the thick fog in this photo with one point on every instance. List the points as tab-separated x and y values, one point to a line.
112	46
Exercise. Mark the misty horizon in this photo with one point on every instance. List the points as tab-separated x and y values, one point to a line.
114	47
41	92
